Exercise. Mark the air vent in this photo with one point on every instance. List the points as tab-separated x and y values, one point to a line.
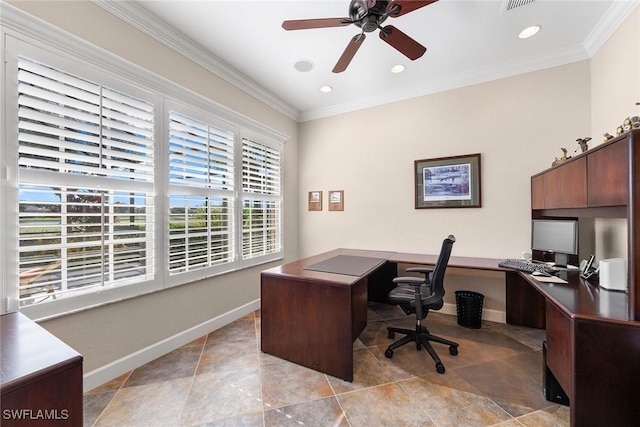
512	4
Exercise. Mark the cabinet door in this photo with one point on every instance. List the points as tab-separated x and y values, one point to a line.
559	347
537	192
566	185
608	178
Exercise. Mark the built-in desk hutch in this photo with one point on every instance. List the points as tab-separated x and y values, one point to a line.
593	335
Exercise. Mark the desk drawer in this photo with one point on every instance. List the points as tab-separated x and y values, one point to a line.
559	347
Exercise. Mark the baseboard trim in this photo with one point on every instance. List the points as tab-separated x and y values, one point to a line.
118	367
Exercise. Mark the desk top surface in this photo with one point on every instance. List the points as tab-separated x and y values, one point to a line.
579	297
576	298
28	349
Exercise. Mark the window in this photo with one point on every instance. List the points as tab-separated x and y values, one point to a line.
201	179
261	206
120	183
85	184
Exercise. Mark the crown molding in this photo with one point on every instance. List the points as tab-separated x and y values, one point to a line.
609	23
479	75
138	17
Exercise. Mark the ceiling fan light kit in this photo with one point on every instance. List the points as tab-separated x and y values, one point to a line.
369	16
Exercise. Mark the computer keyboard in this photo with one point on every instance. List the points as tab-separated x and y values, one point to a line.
528	267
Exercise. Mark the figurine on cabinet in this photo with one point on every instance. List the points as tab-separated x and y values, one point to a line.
628	124
562	159
583	143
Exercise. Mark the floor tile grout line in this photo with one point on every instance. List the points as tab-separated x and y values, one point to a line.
193	378
258	331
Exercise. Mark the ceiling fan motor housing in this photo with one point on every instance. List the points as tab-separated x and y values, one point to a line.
368	19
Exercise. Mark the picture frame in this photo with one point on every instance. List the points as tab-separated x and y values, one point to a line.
448	182
336	200
315	200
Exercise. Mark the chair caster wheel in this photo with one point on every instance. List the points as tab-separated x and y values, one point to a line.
388	353
440	368
453	350
391	335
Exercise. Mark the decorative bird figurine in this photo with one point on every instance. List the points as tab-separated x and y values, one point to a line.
583	143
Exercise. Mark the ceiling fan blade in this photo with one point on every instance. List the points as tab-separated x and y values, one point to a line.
401	7
305	24
402	42
349	53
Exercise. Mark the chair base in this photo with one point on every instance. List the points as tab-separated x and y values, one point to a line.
421	337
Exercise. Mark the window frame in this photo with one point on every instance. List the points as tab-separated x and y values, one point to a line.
56	48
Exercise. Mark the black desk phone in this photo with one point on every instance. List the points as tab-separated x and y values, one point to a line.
587	270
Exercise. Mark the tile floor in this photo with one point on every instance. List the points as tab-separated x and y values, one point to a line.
223	379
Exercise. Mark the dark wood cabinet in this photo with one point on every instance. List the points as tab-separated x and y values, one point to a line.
41	377
537	192
608	179
592	333
566	186
559	347
561	187
603	182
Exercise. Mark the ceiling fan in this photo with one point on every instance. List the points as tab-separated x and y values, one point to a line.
369	15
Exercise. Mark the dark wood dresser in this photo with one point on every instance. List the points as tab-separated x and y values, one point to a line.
40	376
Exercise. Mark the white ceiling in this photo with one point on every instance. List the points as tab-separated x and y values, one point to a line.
468	41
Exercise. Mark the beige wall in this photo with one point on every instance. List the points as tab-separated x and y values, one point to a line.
518	124
615	79
106	334
615	89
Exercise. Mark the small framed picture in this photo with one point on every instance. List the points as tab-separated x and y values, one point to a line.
315	200
336	200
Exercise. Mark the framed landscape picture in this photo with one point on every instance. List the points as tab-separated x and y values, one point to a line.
448	182
315	200
336	200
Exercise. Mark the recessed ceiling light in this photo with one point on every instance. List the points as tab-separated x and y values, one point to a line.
397	69
529	31
326	89
303	65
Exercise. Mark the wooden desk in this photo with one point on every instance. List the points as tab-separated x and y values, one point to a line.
593	348
40	376
593	345
312	318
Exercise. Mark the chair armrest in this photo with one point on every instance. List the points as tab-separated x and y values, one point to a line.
422	270
412	281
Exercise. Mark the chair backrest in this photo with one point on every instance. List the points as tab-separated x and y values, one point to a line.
437	277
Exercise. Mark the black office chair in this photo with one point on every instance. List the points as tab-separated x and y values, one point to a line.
417	295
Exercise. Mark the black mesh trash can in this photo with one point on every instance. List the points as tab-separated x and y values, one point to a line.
469	308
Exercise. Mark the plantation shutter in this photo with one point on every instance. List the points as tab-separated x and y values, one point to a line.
86	170
261	199
201	178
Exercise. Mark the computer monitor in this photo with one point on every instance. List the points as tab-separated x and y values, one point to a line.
557	236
